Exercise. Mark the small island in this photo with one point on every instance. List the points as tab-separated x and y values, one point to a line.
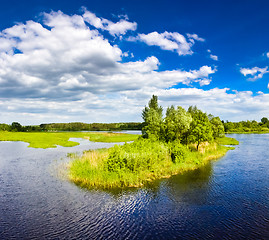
180	141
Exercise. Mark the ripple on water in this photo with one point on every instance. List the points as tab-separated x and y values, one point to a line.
227	199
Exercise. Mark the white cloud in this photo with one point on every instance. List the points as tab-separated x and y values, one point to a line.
171	41
61	66
70	58
214	57
195	37
256	72
62	70
116	29
127	105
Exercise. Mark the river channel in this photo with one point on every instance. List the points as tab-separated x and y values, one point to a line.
226	199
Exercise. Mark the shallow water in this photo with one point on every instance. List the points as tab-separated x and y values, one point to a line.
227	199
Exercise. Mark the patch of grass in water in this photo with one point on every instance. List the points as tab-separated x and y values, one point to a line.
52	139
139	163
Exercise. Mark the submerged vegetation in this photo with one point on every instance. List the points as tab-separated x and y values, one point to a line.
182	141
51	140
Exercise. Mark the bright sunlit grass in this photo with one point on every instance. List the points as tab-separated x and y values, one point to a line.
135	164
52	139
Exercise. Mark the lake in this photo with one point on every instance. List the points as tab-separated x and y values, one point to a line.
226	199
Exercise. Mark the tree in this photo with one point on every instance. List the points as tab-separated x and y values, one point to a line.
217	126
264	120
200	127
16	127
4	127
177	123
153	120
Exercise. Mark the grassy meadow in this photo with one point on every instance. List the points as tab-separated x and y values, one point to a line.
52	139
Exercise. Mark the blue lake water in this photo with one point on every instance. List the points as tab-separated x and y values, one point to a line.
226	199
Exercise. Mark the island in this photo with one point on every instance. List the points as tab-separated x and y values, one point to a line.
179	142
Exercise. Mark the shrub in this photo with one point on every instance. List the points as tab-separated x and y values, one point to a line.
178	152
139	155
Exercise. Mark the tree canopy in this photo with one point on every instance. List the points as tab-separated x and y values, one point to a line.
192	126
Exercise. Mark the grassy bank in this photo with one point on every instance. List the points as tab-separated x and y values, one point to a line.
51	140
135	164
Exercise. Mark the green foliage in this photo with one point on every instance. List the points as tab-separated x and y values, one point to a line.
16	127
247	126
139	155
158	154
200	128
75	126
153	120
264	120
137	163
192	126
78	126
5	127
177	122
178	152
217	126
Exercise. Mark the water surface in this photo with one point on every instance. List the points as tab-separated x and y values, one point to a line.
227	199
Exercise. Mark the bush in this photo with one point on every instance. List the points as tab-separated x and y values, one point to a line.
139	155
178	152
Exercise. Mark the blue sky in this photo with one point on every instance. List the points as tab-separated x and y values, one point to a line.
101	61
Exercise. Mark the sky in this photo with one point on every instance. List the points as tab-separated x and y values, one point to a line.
101	61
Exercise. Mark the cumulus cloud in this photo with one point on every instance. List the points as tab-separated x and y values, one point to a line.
171	41
62	58
255	72
116	29
63	69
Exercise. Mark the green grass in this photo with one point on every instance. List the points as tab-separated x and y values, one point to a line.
52	139
227	141
138	163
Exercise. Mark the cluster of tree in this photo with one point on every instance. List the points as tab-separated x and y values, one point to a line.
78	126
17	127
75	126
247	126
192	126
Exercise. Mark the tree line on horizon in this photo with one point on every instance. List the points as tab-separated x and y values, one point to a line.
170	120
74	126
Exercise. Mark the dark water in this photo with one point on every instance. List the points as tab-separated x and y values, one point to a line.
227	199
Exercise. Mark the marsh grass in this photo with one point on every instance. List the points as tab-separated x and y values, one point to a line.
52	139
227	141
138	163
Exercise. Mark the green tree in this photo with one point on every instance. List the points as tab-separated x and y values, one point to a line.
177	123
217	126
153	120
200	128
16	127
4	127
264	120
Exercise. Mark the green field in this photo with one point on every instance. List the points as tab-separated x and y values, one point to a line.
52	139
